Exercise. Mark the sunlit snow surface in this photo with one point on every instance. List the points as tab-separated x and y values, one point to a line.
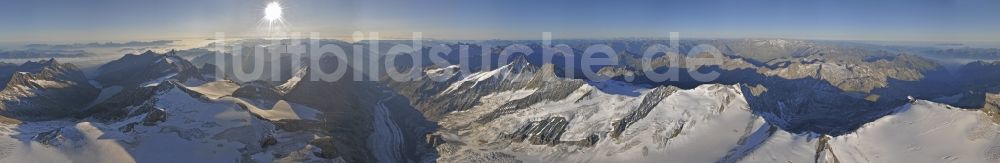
920	132
269	109
924	132
194	131
712	123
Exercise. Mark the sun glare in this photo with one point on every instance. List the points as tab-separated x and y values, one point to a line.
272	11
273	25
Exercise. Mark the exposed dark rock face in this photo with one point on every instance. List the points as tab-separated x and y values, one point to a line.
543	132
257	90
267	141
992	106
48	138
548	92
118	106
748	143
457	93
590	141
132	102
135	70
154	116
434	140
45	90
546	131
327	146
648	102
824	152
435	98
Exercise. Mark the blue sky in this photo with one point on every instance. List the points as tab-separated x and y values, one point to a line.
900	20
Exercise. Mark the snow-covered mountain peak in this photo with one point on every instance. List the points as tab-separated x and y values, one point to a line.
45	89
148	68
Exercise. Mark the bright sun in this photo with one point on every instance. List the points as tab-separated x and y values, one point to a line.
273	11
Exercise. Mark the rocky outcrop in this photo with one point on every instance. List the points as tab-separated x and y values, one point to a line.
648	102
267	141
549	92
327	146
544	132
119	105
436	98
621	73
434	140
49	137
548	131
154	116
992	107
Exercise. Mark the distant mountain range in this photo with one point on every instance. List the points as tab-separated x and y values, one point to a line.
36	53
101	45
776	100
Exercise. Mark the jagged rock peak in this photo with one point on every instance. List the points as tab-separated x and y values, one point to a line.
519	65
149	52
50	61
519	61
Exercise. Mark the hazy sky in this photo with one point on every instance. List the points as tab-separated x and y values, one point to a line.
106	20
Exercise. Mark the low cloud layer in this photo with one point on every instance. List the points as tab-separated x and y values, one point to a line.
102	45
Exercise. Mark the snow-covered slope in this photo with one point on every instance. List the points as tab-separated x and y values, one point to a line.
701	125
697	125
615	122
923	132
174	122
45	90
